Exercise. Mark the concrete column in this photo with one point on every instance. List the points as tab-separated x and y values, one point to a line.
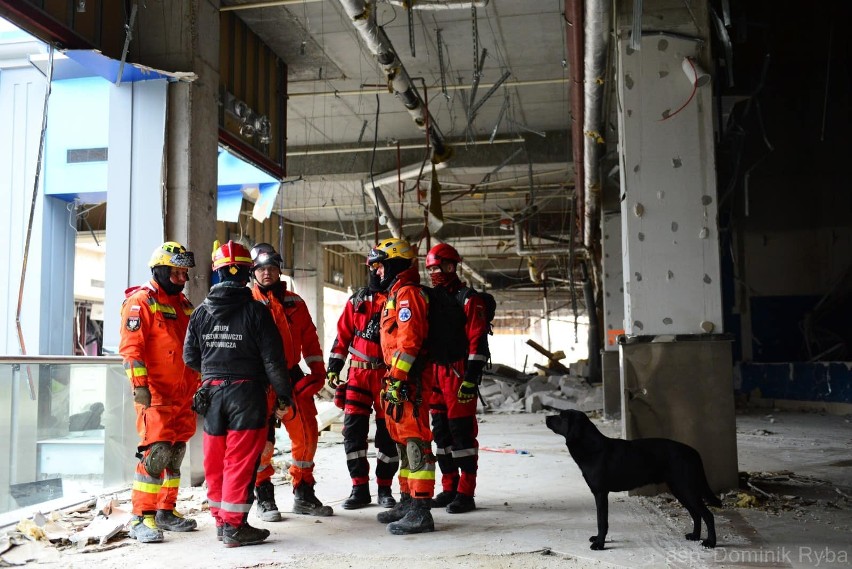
308	275
184	36
673	301
613	313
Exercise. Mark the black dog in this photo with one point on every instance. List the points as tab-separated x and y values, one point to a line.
615	465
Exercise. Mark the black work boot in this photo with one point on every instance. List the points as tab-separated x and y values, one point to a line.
443	499
306	502
359	497
417	520
386	499
397	512
172	520
461	504
244	535
267	510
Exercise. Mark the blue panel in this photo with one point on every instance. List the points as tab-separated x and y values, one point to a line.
78	121
233	171
828	381
108	68
228	204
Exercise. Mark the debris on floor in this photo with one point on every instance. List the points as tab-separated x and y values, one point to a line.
96	525
504	391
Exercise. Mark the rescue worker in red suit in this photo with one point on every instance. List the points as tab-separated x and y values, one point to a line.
233	341
408	384
154	317
453	404
299	335
358	335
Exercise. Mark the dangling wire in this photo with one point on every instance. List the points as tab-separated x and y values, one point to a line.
372	163
32	215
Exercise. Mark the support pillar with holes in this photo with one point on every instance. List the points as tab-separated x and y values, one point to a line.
675	362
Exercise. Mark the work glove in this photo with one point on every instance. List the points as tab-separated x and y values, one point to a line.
396	391
466	392
142	396
334	379
284	408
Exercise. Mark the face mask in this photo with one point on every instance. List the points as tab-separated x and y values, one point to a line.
374	284
441	278
162	276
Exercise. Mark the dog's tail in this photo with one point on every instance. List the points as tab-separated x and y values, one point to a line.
711	498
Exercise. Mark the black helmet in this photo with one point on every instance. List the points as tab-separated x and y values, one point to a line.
264	255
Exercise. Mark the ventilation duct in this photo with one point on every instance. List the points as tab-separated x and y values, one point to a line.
438	4
363	17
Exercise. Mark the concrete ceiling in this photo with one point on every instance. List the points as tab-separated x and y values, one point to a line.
510	165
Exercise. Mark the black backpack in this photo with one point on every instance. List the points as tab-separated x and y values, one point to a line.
487	298
446	341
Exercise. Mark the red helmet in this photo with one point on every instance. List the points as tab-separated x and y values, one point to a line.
441	253
231	254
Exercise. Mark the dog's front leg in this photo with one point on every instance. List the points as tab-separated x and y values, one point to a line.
601	503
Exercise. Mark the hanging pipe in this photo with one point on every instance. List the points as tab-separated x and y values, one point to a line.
438	4
363	17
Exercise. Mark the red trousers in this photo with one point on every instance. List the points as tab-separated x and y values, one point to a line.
455	428
363	395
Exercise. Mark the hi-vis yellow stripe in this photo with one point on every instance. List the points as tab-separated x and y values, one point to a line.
401	365
164	308
422	475
136	369
171	483
147	488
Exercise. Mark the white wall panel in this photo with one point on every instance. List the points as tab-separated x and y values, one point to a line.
669	210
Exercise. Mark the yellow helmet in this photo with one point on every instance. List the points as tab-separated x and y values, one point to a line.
172	254
391	249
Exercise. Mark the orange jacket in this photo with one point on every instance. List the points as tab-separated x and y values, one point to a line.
404	324
291	313
153	328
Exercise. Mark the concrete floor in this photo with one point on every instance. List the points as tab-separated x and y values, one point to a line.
536	511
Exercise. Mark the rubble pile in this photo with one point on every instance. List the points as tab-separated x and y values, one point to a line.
506	390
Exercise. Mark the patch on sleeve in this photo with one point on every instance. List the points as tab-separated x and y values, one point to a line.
135	308
405	314
133	323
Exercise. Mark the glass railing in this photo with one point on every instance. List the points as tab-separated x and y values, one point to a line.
67	430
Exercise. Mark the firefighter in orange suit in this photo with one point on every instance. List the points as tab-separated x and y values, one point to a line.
453	405
408	384
154	318
358	336
299	335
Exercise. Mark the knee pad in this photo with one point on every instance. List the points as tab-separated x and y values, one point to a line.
416	449
403	456
178	452
159	456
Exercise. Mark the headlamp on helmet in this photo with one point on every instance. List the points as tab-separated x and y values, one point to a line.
264	255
